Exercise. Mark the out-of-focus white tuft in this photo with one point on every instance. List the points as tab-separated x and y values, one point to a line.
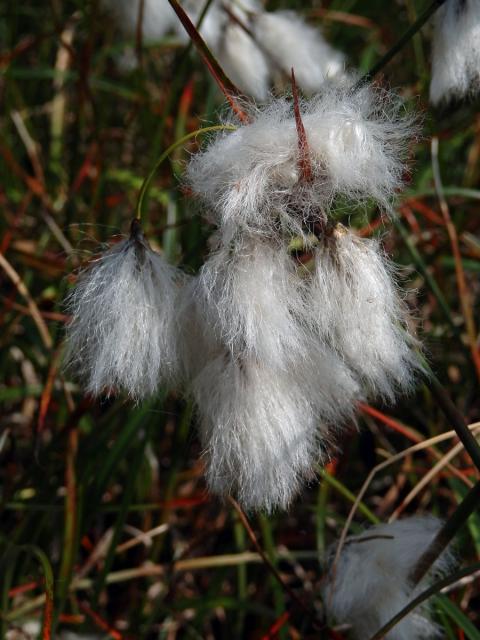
371	582
356	308
158	17
357	147
253	46
456	51
289	41
122	332
244	63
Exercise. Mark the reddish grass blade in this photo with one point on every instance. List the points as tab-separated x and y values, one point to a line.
389	422
100	622
276	626
304	162
229	90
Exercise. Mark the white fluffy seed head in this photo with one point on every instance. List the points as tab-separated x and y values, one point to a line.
456	51
252	298
371	582
122	333
357	145
263	430
271	397
356	308
288	41
259	431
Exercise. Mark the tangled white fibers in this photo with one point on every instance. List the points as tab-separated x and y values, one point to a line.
123	313
356	308
357	144
371	582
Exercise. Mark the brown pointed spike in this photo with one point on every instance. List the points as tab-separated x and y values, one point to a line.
227	87
304	162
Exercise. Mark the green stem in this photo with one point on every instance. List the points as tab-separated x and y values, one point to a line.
408	35
164	156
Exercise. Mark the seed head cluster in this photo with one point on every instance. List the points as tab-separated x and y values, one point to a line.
275	351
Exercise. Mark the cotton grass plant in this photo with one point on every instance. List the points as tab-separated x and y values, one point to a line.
287	354
270	342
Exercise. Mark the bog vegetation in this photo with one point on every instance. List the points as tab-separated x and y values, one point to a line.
240	354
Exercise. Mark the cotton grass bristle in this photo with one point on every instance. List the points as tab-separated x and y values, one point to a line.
122	332
456	51
265	431
356	308
357	144
259	432
371	582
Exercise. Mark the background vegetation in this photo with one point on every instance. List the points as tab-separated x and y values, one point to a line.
103	509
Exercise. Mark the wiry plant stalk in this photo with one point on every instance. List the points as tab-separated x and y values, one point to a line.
405	39
449	530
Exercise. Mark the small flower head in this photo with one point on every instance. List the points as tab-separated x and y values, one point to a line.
356	308
371	582
356	144
122	329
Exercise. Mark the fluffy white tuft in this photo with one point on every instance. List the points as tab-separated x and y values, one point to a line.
123	328
456	51
356	308
371	582
251	56
252	298
259	431
290	42
270	396
265	429
357	144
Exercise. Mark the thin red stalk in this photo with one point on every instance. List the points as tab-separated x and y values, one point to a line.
272	633
267	560
390	422
229	90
